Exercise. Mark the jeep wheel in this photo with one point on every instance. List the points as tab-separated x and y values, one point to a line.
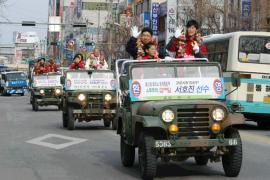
262	124
34	104
147	159
201	160
107	122
71	119
114	124
64	119
31	99
232	161
127	153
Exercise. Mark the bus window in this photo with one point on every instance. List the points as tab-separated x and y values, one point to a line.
254	49
218	52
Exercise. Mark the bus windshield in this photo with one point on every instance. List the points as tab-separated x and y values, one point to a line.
16	76
254	49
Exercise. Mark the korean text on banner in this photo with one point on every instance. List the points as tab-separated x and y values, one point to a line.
155	8
171	19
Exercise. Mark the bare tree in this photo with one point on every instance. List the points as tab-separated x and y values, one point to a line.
211	14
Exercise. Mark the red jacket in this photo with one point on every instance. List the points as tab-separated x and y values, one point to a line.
78	66
40	70
52	68
183	47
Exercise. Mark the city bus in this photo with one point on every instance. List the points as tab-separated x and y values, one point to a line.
249	54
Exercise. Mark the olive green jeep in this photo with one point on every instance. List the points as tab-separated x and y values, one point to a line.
46	90
89	96
173	110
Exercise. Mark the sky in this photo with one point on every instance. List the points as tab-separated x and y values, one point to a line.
23	10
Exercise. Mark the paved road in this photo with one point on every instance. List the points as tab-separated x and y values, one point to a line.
98	157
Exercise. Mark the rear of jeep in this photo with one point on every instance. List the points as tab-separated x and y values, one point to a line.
89	96
176	116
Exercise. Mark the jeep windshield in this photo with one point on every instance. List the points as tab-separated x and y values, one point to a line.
46	81
16	76
175	72
90	80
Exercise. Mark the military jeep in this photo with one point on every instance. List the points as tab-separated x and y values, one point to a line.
174	110
46	90
89	96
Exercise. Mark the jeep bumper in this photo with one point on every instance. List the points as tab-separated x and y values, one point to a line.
49	101
196	143
94	111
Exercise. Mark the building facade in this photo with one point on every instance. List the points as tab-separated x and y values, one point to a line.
260	16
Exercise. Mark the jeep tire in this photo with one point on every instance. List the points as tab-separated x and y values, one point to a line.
71	119
127	153
107	122
114	124
147	158
201	160
34	104
64	119
232	161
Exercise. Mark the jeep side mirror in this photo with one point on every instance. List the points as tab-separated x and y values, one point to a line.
236	82
62	79
123	83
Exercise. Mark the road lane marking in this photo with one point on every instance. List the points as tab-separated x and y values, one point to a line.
41	141
251	137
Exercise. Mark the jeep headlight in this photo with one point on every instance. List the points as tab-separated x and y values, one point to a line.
57	91
218	114
42	91
108	97
81	97
167	115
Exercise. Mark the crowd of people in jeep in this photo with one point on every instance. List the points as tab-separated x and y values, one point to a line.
188	44
142	45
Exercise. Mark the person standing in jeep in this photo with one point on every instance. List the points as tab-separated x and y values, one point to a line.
189	44
135	45
78	63
40	68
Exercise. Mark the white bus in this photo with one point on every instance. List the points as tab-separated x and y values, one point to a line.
249	54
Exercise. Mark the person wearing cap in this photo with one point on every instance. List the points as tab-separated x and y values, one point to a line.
189	44
52	67
40	68
136	43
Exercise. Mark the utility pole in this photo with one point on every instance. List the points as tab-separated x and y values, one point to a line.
225	16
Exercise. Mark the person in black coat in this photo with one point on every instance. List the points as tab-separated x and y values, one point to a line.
138	40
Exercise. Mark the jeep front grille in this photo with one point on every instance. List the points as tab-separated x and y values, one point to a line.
49	92
96	101
193	122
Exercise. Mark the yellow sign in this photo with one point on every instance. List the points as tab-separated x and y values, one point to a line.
266	100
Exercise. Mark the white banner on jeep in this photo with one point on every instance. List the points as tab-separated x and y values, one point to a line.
46	81
90	84
176	88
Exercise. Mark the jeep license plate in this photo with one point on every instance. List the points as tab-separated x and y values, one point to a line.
163	144
233	142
